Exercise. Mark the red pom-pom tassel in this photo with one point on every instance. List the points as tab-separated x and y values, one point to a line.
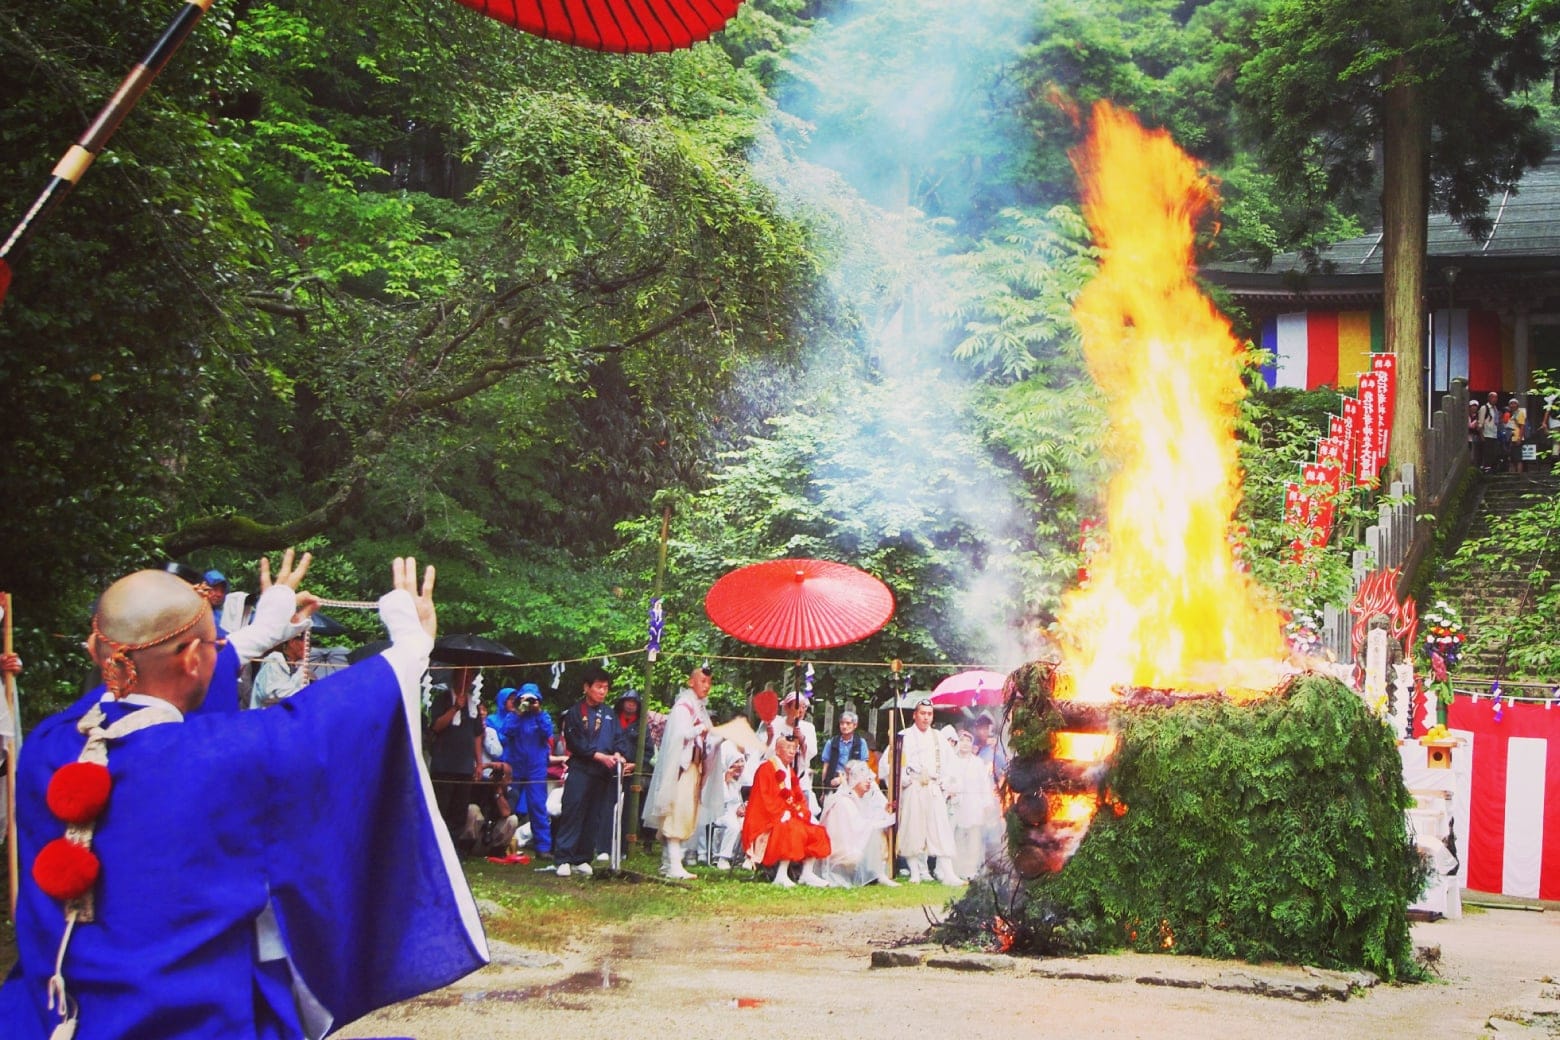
78	791
65	870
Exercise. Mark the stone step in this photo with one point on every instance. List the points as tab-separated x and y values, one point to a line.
1487	602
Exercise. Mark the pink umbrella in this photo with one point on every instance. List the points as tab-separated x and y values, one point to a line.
969	689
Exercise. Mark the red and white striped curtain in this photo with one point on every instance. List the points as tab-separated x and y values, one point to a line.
1510	843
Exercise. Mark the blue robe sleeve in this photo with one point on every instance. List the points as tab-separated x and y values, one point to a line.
368	893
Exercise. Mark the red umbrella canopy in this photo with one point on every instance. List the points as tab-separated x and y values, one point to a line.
799	604
968	689
614	25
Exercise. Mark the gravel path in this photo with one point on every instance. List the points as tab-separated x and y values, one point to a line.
809	977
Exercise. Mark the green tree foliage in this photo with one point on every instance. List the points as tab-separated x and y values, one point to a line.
395	274
1438	88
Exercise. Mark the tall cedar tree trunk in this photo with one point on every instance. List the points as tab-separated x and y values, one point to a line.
1404	218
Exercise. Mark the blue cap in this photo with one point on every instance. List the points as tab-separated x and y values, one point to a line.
215	577
531	689
506	693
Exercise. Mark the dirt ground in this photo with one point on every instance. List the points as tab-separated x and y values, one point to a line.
812	978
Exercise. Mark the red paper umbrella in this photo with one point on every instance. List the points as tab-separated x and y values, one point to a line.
799	604
969	689
614	25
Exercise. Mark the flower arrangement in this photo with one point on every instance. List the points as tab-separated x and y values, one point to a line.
1444	639
1304	633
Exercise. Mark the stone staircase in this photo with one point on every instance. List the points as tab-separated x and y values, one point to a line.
1499	592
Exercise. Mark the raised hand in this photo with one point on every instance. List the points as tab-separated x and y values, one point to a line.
286	574
403	574
308	603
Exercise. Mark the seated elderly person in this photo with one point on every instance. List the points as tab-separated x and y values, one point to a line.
857	819
283	672
777	829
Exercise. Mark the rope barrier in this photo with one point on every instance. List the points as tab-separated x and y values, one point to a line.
941	666
492	782
1551	694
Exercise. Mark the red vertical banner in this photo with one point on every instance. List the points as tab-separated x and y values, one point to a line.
1351	439
1321	341
1321	482
1351	420
1368	460
1296	514
1330	449
1385	367
1485	360
1338	428
1296	505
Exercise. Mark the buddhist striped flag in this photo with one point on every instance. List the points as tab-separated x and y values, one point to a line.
1511	842
1321	348
1331	348
1470	345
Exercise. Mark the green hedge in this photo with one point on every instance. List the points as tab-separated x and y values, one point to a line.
1271	831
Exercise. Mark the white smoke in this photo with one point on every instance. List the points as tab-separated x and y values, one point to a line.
889	124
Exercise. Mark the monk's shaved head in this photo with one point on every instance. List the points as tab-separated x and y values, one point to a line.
146	605
147	637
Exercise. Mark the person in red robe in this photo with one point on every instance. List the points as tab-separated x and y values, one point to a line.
777	829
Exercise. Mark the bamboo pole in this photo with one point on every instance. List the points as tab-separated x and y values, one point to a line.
13	745
896	748
636	782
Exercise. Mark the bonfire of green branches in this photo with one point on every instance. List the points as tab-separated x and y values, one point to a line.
1266	831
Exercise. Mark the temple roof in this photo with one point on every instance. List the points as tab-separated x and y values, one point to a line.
1524	242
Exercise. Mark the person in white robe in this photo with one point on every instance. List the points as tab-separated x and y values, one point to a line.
925	829
973	801
857	818
681	781
721	819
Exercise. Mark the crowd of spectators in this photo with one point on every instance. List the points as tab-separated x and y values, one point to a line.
926	801
556	783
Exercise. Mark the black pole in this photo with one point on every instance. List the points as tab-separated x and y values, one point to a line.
74	163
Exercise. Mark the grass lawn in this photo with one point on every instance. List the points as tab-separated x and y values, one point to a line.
547	911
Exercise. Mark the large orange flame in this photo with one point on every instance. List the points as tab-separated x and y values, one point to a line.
1166	605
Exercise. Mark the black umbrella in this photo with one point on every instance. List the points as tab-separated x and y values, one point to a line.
368	650
320	625
472	652
184	571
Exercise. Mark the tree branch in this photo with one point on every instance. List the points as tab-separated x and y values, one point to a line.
236	531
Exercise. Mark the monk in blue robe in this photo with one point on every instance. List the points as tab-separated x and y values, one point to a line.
272	874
